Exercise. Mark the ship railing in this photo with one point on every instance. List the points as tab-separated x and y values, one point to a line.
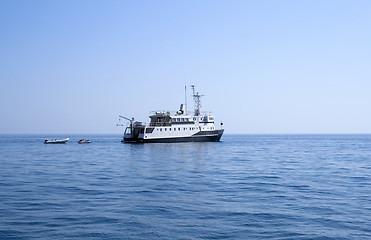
160	113
159	124
203	113
172	113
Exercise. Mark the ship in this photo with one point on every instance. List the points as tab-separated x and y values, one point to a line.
178	126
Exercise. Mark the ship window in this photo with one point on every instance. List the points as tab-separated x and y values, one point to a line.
178	129
127	130
165	129
174	129
161	129
149	130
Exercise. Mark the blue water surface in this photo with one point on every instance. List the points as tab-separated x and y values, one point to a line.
244	187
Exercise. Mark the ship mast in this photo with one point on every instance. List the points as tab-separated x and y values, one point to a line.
185	97
185	92
197	99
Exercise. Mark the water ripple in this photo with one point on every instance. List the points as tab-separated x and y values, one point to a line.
246	187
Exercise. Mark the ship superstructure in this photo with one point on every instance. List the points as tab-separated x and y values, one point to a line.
179	126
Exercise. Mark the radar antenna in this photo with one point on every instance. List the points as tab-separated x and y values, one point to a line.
197	99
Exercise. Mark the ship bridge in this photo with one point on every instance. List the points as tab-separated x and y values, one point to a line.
160	119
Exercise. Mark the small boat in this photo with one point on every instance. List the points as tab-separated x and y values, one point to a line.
83	141
56	141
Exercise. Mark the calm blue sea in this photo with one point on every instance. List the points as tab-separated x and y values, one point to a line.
245	187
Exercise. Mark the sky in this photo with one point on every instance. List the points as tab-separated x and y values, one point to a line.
265	67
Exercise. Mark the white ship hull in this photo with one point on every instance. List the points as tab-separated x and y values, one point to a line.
201	136
56	141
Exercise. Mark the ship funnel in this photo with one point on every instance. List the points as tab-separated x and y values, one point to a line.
182	109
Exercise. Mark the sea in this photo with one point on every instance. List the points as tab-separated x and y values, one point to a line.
244	187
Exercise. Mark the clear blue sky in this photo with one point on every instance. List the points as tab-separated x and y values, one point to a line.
264	66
